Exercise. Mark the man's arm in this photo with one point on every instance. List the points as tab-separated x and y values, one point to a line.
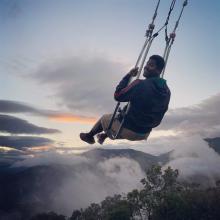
123	92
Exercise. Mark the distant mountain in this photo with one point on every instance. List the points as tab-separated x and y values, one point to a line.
214	143
25	191
145	160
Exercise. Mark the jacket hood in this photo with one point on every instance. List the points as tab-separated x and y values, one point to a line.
160	85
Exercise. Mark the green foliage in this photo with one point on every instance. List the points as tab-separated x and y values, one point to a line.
112	208
76	215
134	199
190	205
162	197
48	216
118	211
93	212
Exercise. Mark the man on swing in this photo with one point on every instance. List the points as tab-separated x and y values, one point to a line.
149	100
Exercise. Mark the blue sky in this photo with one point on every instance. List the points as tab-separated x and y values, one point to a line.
67	56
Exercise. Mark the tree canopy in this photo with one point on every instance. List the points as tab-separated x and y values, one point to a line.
162	197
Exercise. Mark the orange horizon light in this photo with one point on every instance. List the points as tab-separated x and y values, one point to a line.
73	118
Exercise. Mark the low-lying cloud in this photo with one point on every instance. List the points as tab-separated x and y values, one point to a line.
9	156
87	180
200	119
195	160
84	181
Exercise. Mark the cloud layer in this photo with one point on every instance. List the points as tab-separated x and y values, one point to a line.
195	160
8	106
19	142
84	85
73	80
14	125
200	119
83	181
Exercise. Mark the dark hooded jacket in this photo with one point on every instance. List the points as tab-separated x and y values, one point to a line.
149	100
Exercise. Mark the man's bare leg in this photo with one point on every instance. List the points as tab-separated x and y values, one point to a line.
101	137
89	137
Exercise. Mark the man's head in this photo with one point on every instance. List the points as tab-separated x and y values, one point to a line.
154	66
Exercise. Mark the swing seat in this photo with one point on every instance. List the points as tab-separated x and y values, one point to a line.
124	134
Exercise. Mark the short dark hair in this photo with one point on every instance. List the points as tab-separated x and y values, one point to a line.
160	63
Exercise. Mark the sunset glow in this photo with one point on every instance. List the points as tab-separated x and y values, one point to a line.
73	118
40	148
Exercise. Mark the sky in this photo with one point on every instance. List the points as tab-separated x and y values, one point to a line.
60	62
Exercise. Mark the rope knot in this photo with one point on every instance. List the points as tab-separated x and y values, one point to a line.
172	35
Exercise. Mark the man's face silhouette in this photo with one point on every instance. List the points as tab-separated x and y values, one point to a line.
151	70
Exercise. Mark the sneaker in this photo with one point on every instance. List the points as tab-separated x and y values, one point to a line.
87	138
101	138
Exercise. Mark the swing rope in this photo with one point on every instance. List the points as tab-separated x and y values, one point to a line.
143	54
170	40
148	36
